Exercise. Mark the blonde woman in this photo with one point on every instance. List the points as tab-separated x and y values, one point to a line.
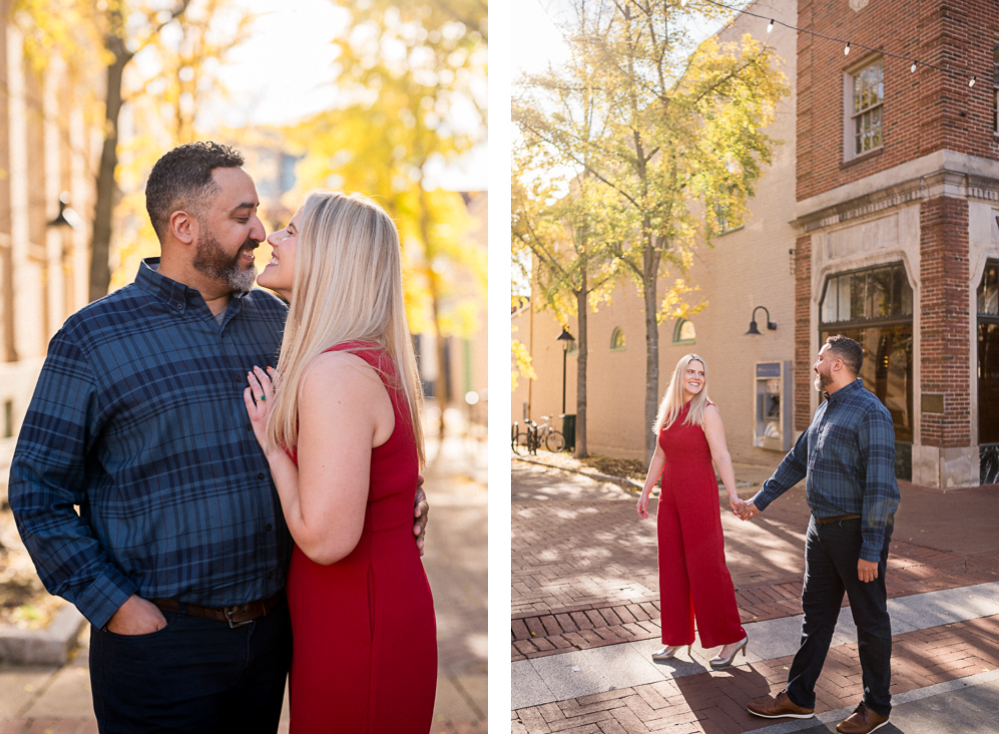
341	431
694	580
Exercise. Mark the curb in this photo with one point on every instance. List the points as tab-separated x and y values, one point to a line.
630	485
49	646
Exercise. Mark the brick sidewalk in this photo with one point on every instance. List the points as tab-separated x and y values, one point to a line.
700	703
583	568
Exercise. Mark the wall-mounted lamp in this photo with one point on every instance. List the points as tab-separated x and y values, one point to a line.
67	217
771	326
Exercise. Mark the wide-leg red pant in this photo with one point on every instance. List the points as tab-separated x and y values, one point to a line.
694	580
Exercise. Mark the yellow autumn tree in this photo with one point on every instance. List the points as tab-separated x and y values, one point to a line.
413	83
676	132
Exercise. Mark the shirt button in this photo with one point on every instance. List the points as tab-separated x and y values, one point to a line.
260	475
270	576
249	427
268	527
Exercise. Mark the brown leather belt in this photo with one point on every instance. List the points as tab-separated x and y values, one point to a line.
828	520
237	616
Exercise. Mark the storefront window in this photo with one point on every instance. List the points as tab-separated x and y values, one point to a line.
875	308
987	373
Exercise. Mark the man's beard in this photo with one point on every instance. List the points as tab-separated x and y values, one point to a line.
211	260
822	381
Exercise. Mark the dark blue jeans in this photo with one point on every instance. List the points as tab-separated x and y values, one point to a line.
195	676
832	553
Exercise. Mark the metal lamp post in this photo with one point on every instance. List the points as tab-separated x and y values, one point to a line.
566	338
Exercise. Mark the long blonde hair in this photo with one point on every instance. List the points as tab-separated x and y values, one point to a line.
348	287
673	399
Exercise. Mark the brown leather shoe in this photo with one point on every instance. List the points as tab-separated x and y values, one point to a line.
862	721
779	707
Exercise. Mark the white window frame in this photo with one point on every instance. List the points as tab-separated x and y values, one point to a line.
852	117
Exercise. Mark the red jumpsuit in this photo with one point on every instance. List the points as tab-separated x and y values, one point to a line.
694	580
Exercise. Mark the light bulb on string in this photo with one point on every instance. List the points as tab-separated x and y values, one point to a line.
770	26
913	68
972	82
847	48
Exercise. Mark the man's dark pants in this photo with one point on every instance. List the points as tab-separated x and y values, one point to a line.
832	552
196	676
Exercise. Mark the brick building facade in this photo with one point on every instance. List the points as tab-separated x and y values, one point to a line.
878	219
908	199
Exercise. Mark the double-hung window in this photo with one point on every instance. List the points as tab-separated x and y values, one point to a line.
864	94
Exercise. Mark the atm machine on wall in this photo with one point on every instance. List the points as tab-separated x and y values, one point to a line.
773	409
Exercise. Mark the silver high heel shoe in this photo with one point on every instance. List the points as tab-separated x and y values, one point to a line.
721	662
668	653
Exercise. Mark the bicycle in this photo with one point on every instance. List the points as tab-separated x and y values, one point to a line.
519	439
545	434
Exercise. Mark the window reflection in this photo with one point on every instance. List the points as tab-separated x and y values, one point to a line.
887	370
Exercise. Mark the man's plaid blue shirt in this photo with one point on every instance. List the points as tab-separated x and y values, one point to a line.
847	456
138	419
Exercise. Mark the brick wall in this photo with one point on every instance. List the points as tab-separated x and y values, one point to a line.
923	112
944	320
804	353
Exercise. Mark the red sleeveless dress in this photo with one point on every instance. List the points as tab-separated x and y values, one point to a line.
364	651
694	580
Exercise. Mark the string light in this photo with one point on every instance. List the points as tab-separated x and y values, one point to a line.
847	47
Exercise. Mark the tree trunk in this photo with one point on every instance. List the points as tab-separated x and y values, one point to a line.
581	371
651	267
100	244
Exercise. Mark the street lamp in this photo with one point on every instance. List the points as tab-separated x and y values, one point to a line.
566	338
66	217
771	326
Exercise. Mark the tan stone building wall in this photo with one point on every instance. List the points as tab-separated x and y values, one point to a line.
747	267
46	149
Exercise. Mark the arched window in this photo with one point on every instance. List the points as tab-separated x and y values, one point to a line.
617	340
874	307
684	332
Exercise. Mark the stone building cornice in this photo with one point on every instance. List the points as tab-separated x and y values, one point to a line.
944	173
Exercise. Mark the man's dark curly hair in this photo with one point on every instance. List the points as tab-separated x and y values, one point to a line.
848	351
182	179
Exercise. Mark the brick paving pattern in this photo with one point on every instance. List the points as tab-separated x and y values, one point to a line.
583	573
701	704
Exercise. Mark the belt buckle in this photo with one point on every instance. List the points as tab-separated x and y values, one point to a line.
229	612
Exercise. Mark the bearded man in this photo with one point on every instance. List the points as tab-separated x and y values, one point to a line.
847	457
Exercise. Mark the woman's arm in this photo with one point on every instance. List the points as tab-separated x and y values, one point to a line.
344	411
715	433
652	476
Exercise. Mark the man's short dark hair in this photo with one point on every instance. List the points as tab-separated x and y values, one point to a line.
848	351
182	179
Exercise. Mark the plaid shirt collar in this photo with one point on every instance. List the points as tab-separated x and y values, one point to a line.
843	393
174	294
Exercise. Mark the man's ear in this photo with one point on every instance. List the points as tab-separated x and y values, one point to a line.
183	226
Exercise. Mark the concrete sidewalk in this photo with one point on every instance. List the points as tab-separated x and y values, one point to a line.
585	614
57	700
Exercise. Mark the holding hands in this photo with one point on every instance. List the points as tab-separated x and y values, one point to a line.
749	511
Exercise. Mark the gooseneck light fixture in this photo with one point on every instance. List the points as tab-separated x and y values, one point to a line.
771	326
